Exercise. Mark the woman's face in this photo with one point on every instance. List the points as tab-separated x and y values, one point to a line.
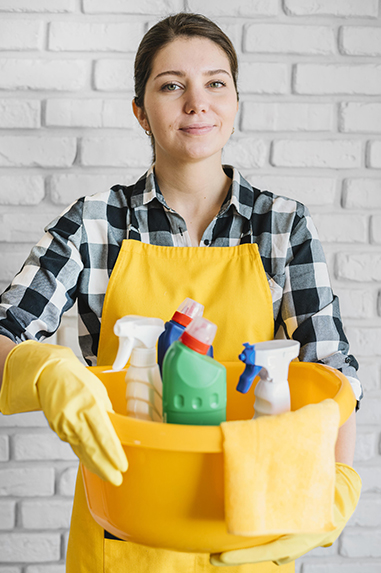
190	100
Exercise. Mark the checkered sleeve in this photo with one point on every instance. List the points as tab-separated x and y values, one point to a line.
309	311
32	306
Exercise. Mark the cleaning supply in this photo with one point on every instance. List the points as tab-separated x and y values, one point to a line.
137	343
279	471
50	378
187	311
287	548
194	384
270	360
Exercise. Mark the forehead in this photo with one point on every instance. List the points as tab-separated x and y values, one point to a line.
194	53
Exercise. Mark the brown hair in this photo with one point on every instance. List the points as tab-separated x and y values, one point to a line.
167	30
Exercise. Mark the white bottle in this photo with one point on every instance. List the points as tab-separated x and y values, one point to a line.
137	342
270	360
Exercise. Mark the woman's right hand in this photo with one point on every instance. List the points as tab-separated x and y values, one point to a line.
50	378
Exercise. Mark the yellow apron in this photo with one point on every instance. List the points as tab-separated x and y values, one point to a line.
150	280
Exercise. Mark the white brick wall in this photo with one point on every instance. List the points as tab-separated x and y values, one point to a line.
309	127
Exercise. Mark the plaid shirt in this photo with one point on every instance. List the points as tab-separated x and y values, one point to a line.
75	258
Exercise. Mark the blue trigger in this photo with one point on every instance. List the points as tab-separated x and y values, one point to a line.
251	371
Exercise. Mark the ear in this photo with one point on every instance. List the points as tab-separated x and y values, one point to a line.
140	115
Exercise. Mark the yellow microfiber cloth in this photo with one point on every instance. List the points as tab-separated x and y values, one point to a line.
280	471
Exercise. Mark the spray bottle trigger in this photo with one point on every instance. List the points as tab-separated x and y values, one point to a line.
251	370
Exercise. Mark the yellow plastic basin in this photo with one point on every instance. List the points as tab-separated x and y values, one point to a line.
172	495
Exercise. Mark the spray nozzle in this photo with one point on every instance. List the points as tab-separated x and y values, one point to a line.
135	332
269	359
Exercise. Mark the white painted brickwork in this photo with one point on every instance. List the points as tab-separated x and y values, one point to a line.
309	127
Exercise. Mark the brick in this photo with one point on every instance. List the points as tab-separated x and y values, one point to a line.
84	36
370	411
41	447
263	78
247	8
323	551
338	79
366	447
46	514
65	189
362	194
4	448
90	113
24	227
45	569
133	151
356	303
25	420
369	374
7	515
374	157
375	229
37	151
359	266
19	113
361	544
360	116
34	74
371	478
342	228
367	513
361	41
21	189
273	38
21	35
114	75
365	342
29	547
334	154
27	481
307	190
340	567
332	8
66	483
37	6
260	116
132	7
10	570
245	153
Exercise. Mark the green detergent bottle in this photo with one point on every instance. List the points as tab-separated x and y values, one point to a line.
194	384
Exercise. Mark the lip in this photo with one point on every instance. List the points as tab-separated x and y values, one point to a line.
197	128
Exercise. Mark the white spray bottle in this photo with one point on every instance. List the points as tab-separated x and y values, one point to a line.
270	360
137	342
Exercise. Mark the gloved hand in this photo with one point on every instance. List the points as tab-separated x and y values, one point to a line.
290	547
50	378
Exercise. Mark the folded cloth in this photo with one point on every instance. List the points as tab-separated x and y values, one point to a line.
280	471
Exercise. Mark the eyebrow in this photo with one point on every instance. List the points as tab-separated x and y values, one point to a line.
181	74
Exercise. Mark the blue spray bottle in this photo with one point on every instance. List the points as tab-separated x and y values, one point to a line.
187	311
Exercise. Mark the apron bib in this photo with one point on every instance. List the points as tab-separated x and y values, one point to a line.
150	280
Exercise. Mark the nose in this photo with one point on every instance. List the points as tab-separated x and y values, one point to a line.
196	100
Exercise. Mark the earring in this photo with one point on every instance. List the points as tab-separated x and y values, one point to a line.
147	132
233	130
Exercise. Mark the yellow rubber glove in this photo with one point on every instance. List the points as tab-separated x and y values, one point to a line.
290	547
50	378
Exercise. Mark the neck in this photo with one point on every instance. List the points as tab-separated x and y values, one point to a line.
194	186
196	191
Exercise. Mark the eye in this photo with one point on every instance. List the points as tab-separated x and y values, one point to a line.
217	84
170	88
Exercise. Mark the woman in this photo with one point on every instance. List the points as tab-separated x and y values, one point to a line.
271	281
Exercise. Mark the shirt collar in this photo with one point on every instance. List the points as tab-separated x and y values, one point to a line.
240	196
